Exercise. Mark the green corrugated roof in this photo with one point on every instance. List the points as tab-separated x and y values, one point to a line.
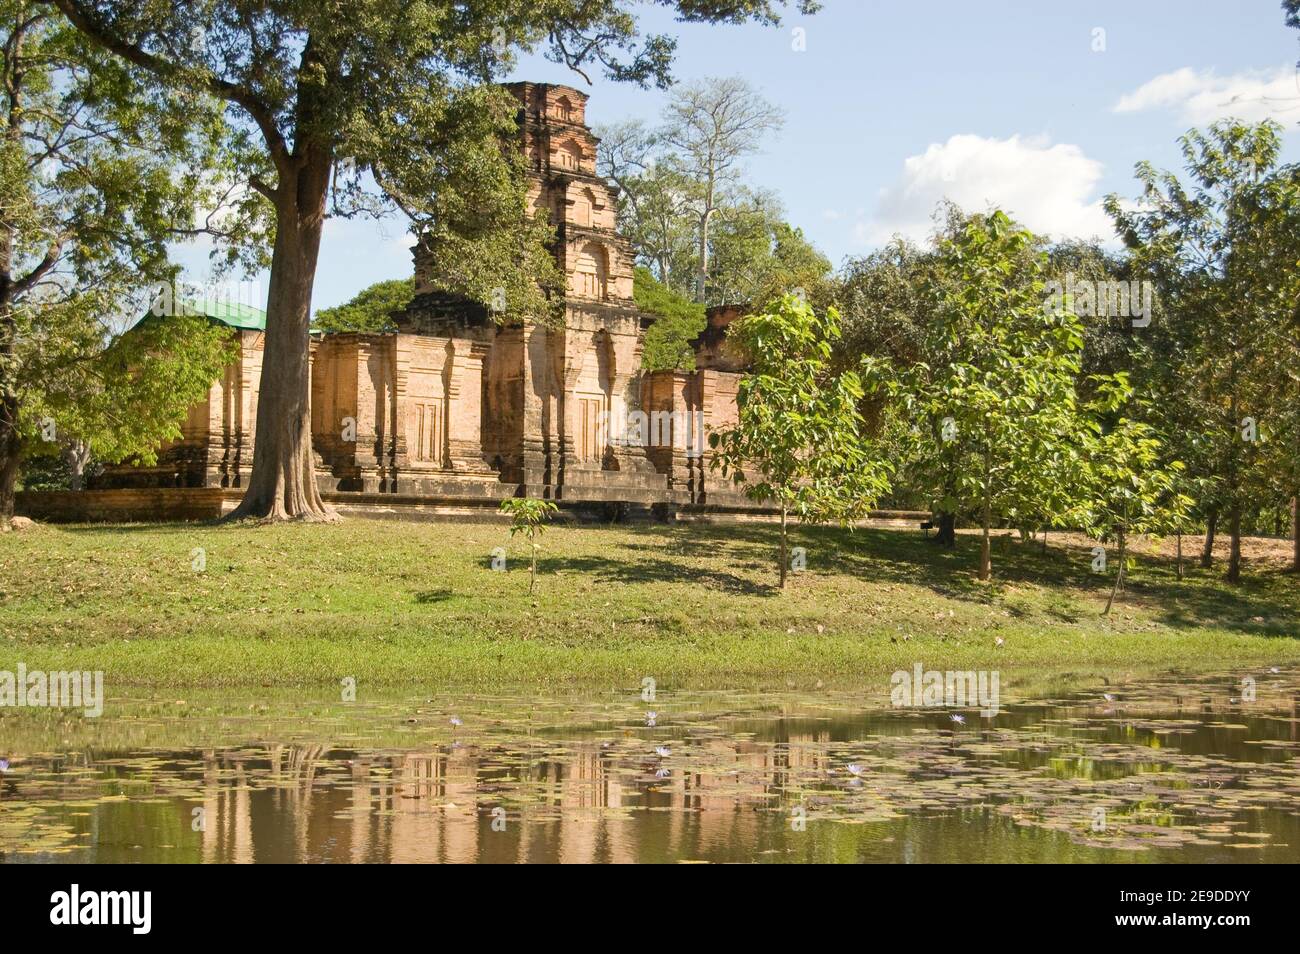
229	313
234	314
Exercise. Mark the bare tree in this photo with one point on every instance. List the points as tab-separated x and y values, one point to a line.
624	153
711	126
656	197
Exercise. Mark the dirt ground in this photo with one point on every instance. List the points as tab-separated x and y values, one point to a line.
1264	551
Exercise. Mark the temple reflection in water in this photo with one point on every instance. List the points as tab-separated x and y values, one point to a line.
1186	770
463	805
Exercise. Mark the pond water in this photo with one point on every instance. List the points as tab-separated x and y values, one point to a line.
1149	768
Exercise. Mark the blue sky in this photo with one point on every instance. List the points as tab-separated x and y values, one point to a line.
893	105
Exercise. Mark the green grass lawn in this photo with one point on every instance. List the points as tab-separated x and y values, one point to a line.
392	603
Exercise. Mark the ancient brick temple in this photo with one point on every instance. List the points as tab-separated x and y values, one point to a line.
456	405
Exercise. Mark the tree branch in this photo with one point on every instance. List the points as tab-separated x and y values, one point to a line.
51	259
160	66
269	192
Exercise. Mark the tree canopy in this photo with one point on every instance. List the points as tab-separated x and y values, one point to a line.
1221	248
96	177
677	321
370	310
691	217
800	440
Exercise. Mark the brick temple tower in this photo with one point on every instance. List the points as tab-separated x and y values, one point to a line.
553	397
575	400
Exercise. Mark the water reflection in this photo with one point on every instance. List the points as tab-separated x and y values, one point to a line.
1168	769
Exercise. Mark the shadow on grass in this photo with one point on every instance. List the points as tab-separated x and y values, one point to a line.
655	569
741	559
178	526
889	556
659	553
1266	603
433	596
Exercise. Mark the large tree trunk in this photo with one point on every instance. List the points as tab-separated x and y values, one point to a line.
76	454
1207	551
986	548
283	482
702	279
8	458
986	513
783	547
1234	549
947	533
1295	534
10	446
1119	577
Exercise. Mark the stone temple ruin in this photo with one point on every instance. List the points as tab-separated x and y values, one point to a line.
455	409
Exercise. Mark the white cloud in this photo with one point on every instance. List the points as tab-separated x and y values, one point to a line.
1050	189
1202	97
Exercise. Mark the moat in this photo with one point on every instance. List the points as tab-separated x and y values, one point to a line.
1098	768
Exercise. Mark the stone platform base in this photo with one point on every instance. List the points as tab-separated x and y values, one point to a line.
129	505
170	504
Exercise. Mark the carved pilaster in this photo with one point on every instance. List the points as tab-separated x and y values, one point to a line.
398	461
464	402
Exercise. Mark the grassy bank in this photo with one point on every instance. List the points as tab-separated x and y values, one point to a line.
397	603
